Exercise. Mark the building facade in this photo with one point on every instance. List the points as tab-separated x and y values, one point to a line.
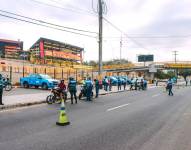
10	49
46	51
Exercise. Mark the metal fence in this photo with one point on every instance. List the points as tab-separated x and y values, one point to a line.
15	72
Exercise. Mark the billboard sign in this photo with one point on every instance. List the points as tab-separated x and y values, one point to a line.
145	58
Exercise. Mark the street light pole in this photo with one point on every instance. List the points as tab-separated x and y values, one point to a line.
175	60
23	63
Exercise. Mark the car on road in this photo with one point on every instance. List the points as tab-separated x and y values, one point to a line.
38	80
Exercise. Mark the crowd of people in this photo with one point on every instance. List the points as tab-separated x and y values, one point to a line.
88	85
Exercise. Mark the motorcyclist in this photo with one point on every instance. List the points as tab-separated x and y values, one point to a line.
89	87
62	88
72	89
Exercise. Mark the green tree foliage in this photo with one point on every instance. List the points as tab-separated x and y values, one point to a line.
184	73
162	75
109	62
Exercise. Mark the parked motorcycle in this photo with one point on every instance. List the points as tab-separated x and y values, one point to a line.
54	97
7	84
83	92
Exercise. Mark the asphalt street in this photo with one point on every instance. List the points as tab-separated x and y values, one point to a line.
132	120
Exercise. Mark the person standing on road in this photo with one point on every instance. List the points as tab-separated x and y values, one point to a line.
136	84
105	83
156	82
124	82
110	84
169	87
1	89
119	84
89	87
96	87
72	89
131	84
144	84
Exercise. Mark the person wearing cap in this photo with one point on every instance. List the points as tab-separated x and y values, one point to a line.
72	89
1	89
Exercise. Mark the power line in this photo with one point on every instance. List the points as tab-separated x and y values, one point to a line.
41	21
148	37
83	10
46	26
63	8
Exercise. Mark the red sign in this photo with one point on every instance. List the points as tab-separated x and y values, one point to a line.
41	49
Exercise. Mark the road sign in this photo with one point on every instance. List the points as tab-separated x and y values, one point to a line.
152	68
145	58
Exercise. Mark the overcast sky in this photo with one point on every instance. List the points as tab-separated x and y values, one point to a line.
149	26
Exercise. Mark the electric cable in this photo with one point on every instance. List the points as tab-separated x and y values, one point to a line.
41	21
46	26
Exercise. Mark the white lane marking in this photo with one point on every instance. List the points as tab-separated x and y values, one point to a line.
155	95
110	109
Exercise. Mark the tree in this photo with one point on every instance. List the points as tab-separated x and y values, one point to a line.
185	73
108	62
162	75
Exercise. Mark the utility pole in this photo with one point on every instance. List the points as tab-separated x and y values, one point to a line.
120	47
175	54
175	59
100	34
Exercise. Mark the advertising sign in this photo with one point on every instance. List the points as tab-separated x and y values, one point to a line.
60	54
41	49
145	58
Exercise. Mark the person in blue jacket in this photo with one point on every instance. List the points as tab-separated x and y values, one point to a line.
169	87
89	88
72	89
119	83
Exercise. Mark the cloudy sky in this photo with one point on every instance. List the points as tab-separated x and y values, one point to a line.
147	26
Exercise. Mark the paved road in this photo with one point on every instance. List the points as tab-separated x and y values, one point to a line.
137	120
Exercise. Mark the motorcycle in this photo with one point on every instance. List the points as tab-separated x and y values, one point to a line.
7	84
54	97
83	92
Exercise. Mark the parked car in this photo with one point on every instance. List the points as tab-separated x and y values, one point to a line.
127	80
114	80
38	80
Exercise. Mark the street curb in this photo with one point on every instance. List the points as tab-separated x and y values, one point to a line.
12	106
6	107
